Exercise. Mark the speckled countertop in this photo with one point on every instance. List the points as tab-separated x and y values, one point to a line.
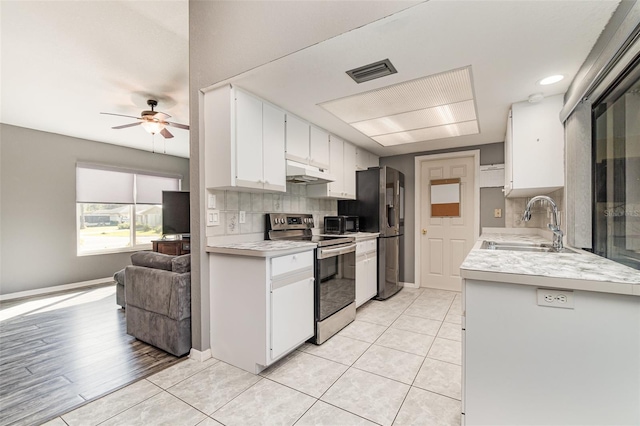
580	271
266	248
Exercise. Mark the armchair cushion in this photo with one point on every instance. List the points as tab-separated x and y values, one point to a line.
151	259
181	264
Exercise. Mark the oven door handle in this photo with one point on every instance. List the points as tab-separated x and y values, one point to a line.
324	253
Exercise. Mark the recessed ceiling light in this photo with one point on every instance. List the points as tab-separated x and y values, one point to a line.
551	79
432	107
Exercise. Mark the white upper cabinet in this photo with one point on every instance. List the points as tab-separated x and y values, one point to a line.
306	143
244	142
319	148
297	139
534	148
342	166
349	168
249	160
336	166
365	159
273	142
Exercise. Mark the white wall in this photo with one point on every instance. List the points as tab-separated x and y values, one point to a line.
37	195
227	38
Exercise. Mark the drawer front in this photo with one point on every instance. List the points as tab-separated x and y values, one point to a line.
367	246
290	263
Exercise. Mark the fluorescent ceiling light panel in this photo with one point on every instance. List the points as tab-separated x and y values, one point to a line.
429	133
441	102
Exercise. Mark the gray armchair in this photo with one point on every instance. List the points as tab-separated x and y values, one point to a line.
158	300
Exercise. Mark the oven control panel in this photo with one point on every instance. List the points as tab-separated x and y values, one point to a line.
288	221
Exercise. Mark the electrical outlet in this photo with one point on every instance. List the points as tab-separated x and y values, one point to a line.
242	217
497	213
555	298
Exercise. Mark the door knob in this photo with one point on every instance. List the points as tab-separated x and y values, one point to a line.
424	232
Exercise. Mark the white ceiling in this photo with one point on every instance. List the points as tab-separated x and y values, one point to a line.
509	44
64	62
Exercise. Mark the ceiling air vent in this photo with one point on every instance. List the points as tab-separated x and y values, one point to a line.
372	71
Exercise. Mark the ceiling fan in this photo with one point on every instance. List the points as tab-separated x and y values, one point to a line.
152	121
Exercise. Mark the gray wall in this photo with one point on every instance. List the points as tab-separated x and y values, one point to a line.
489	154
38	220
227	38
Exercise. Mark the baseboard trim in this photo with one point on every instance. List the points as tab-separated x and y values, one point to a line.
200	355
54	289
410	285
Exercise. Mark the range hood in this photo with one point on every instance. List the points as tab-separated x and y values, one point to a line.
305	174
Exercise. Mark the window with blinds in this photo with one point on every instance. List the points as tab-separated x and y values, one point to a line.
119	209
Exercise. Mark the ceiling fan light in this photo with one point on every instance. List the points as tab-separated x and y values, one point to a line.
153	127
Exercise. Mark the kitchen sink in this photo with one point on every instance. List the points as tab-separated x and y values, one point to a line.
528	247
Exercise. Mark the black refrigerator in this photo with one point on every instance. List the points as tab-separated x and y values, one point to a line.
380	205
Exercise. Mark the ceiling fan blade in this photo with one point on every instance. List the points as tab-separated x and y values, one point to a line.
167	134
124	126
178	125
120	115
161	115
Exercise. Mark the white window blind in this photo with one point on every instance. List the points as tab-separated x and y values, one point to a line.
149	188
104	186
107	185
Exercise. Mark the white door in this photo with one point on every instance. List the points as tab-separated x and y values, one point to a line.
446	241
349	171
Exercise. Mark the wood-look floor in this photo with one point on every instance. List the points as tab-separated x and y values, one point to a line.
61	351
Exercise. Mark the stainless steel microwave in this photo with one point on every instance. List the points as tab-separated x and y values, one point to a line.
341	224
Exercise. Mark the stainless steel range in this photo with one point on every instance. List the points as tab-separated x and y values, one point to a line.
335	284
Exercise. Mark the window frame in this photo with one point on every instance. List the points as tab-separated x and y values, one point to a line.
133	238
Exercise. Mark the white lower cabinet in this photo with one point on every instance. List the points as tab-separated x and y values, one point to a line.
291	313
366	271
261	307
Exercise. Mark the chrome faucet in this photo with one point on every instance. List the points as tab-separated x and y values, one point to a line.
553	226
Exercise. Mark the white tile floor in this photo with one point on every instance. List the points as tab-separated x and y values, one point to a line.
398	363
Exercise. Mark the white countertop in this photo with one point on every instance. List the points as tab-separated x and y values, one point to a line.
579	271
266	248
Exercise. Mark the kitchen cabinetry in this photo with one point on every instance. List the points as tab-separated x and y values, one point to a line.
366	271
550	355
306	143
319	148
342	165
366	159
534	148
244	142
261	307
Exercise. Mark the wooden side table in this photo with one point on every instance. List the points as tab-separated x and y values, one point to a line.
173	247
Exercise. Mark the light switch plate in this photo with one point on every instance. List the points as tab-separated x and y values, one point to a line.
211	201
242	217
497	213
213	217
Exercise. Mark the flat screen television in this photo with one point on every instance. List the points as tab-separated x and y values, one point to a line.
175	213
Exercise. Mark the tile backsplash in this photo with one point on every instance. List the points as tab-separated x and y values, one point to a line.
540	213
256	205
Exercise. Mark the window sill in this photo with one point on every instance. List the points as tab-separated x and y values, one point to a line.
115	251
